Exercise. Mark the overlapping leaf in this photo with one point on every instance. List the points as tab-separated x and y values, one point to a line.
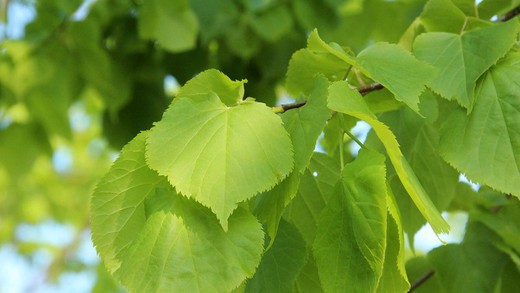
281	264
485	145
213	81
461	60
346	100
305	124
353	227
389	64
154	240
219	155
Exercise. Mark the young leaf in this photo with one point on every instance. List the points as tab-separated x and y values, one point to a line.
172	23
305	124
213	81
485	145
353	227
218	155
346	100
153	239
281	264
461	60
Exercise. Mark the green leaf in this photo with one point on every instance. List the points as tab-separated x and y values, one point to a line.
443	16
269	206
218	155
393	278
305	65
213	81
316	187
353	227
172	23
504	222
153	239
281	264
272	24
485	145
419	267
348	101
305	124
308	280
419	140
473	266
461	60
396	69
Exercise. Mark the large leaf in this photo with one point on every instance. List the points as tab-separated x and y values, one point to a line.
153	239
305	124
346	100
281	264
172	23
461	60
219	155
486	144
353	227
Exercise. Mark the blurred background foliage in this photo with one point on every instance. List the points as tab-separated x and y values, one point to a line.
80	78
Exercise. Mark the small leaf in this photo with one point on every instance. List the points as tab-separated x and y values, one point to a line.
442	16
218	155
213	81
461	60
399	71
485	145
348	101
172	23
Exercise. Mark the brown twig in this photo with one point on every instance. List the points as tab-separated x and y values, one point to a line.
421	280
510	14
363	90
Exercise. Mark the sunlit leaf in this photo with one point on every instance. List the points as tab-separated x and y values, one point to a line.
345	100
485	145
218	155
461	60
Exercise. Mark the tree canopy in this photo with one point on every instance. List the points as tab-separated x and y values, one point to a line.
204	146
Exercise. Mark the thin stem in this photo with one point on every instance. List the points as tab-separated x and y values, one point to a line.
346	73
421	280
511	14
354	138
363	90
341	159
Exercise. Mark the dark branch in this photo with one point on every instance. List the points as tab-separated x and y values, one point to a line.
512	13
286	107
421	280
363	90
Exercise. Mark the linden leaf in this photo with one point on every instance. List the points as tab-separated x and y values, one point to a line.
155	240
220	155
